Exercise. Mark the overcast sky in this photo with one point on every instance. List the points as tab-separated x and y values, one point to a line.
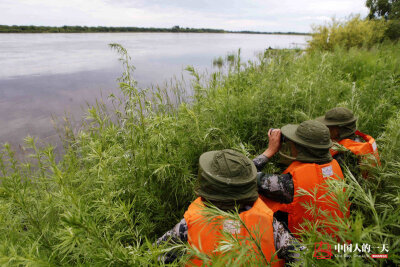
256	15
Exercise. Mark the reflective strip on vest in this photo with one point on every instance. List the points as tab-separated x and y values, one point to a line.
206	236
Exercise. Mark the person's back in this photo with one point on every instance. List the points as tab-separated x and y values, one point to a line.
343	130
312	178
227	179
206	237
305	148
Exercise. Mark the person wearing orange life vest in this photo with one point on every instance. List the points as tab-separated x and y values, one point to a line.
227	179
343	130
305	149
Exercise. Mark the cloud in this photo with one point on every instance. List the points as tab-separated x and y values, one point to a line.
270	15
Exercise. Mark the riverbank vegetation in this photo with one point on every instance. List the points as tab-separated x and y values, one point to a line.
86	29
355	32
382	24
128	173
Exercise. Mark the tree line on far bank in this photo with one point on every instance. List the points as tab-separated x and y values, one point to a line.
83	29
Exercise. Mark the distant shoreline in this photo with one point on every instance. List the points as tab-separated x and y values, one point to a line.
86	29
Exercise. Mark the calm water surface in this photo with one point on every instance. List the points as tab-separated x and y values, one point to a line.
45	75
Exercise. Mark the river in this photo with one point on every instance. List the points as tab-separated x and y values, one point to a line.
52	75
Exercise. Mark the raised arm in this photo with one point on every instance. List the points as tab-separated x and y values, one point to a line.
274	137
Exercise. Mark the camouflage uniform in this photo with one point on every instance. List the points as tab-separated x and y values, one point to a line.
279	188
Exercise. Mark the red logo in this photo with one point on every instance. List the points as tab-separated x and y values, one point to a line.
379	256
322	250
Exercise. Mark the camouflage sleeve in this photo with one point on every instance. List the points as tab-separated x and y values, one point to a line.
286	245
276	187
260	161
177	234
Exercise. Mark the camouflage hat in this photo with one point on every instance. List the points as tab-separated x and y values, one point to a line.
309	133
337	117
227	175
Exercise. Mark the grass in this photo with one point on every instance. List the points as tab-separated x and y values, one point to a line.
128	174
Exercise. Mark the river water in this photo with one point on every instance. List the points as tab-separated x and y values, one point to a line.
47	75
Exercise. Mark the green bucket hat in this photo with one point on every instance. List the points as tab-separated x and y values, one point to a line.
309	133
338	116
227	176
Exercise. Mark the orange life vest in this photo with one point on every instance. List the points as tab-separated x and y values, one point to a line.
358	148
206	236
310	177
